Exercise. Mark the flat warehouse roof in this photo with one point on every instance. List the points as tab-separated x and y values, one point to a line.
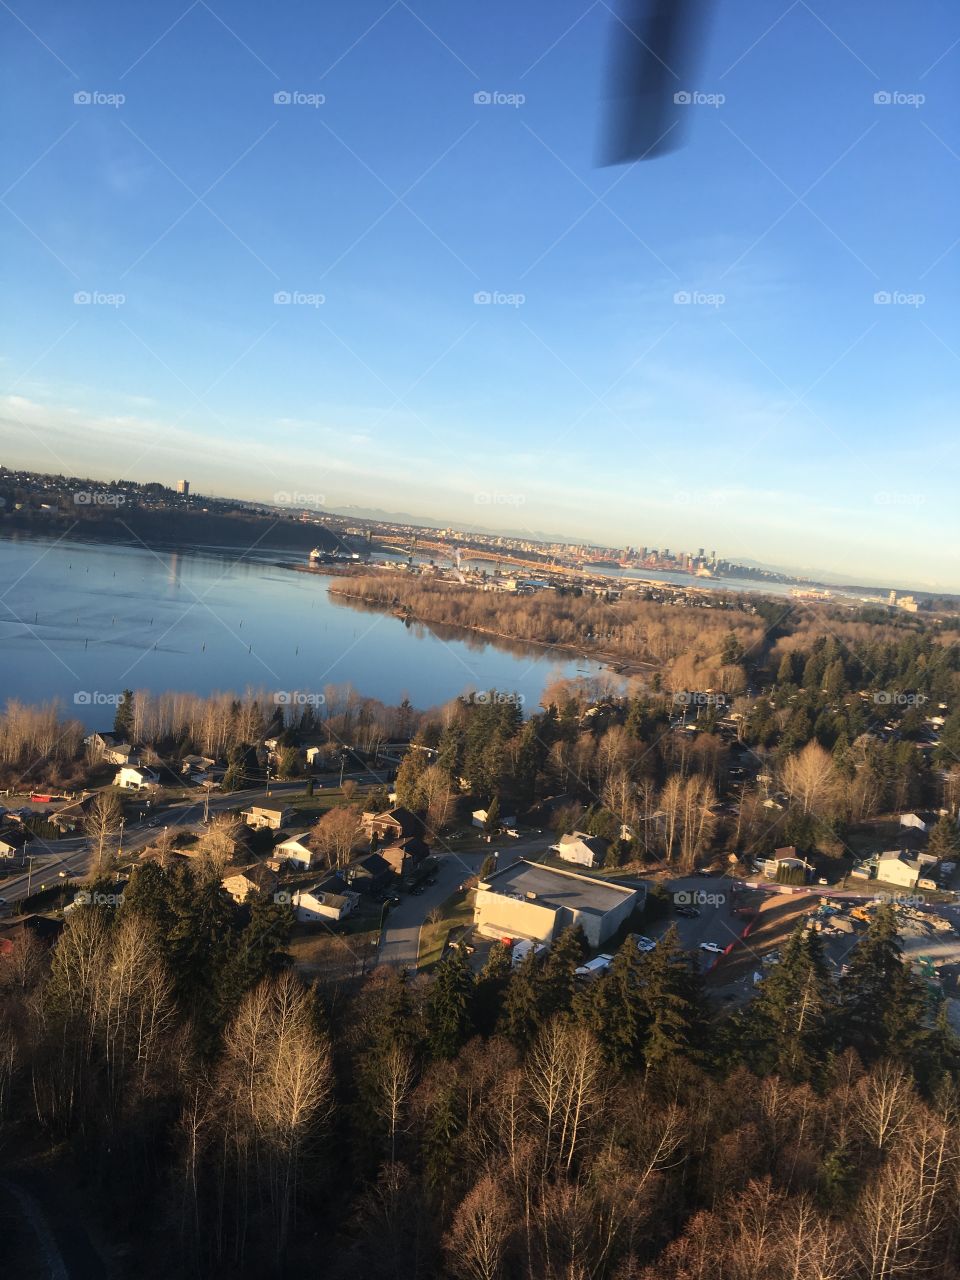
555	888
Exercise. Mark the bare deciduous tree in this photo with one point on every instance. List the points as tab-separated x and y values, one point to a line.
101	823
477	1242
336	833
809	779
394	1076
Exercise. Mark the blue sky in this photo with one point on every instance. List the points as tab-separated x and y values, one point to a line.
782	414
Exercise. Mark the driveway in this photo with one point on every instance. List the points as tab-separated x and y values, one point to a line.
400	941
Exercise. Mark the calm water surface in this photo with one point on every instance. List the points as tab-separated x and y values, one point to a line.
81	618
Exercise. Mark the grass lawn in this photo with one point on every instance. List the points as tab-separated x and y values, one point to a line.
310	808
457	910
319	953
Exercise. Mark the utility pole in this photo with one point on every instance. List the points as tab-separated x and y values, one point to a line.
29	872
206	807
120	845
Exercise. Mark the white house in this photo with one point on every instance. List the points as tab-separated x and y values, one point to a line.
298	851
136	778
320	903
581	849
914	821
12	843
897	866
479	817
787	859
263	816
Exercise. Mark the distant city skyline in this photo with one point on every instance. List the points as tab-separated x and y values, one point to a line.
431	523
367	255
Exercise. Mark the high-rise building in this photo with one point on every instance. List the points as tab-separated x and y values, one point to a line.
183	486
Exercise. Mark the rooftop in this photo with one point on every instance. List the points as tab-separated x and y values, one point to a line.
556	888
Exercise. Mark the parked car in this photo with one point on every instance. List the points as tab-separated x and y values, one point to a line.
646	944
714	948
704	871
689	913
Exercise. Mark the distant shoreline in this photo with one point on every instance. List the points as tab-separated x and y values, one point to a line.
175	531
617	665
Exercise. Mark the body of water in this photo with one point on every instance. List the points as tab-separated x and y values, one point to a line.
83	620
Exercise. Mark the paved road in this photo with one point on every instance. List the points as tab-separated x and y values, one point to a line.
74	856
400	940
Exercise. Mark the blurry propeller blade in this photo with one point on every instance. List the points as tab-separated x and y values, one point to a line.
654	45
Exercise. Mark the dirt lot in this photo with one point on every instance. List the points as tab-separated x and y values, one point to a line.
770	930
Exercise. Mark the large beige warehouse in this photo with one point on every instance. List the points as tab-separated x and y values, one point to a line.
529	900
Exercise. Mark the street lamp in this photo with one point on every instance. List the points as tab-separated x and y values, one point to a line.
383	909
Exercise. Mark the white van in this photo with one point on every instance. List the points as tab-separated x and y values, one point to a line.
522	949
